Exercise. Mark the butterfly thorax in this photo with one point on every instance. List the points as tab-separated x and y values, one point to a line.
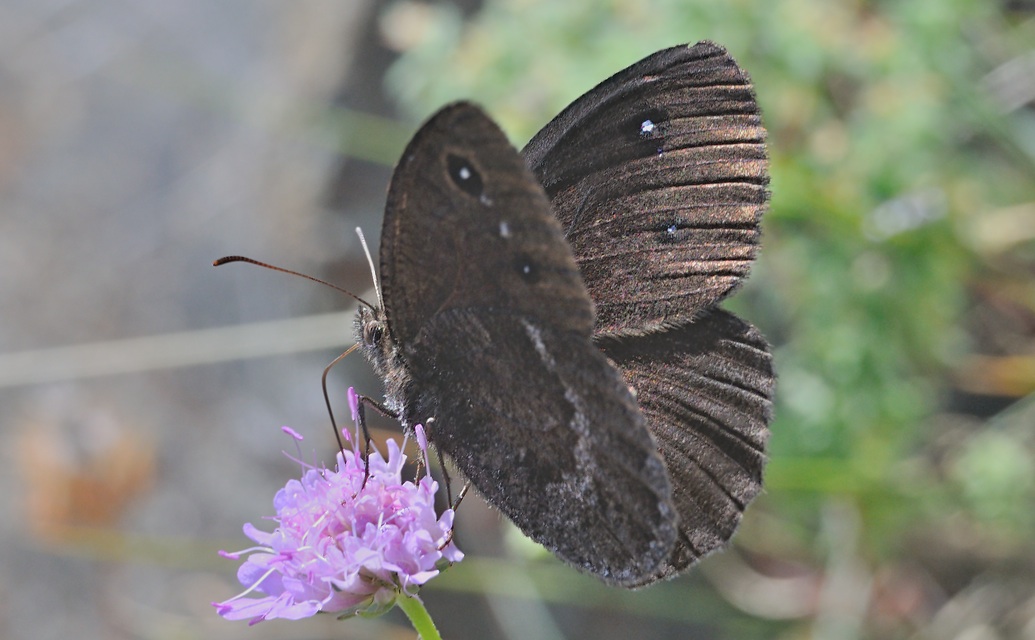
383	353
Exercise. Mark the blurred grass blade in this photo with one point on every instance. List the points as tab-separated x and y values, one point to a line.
204	346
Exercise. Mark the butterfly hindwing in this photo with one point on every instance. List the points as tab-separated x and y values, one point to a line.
659	177
555	325
706	390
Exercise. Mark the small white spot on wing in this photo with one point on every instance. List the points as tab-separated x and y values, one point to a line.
537	339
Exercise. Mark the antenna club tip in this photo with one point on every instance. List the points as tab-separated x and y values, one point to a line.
226	259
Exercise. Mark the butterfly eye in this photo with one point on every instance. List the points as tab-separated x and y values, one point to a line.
464	175
373	332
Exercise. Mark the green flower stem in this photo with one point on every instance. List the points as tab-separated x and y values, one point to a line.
419	618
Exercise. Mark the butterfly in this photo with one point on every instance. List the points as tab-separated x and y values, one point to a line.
551	315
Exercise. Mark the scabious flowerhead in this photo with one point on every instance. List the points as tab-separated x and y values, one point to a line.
346	542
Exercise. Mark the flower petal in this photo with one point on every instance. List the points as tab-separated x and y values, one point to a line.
347	540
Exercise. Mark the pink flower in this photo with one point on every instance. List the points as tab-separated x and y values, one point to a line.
343	546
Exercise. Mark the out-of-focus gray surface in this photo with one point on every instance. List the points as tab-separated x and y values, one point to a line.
138	142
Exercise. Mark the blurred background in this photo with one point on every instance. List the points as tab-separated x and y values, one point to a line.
142	391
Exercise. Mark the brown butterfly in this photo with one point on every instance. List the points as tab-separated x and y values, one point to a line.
553	315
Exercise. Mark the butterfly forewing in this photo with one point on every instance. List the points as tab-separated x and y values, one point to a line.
659	174
490	347
551	435
465	226
659	177
555	322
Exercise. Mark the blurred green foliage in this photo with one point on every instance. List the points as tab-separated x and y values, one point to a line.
894	147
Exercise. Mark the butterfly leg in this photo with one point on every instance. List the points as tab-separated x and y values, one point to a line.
361	419
459	497
378	407
428	426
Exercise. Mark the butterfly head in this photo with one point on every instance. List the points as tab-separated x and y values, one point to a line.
372	335
375	340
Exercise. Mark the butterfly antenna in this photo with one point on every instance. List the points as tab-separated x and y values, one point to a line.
370	261
229	259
